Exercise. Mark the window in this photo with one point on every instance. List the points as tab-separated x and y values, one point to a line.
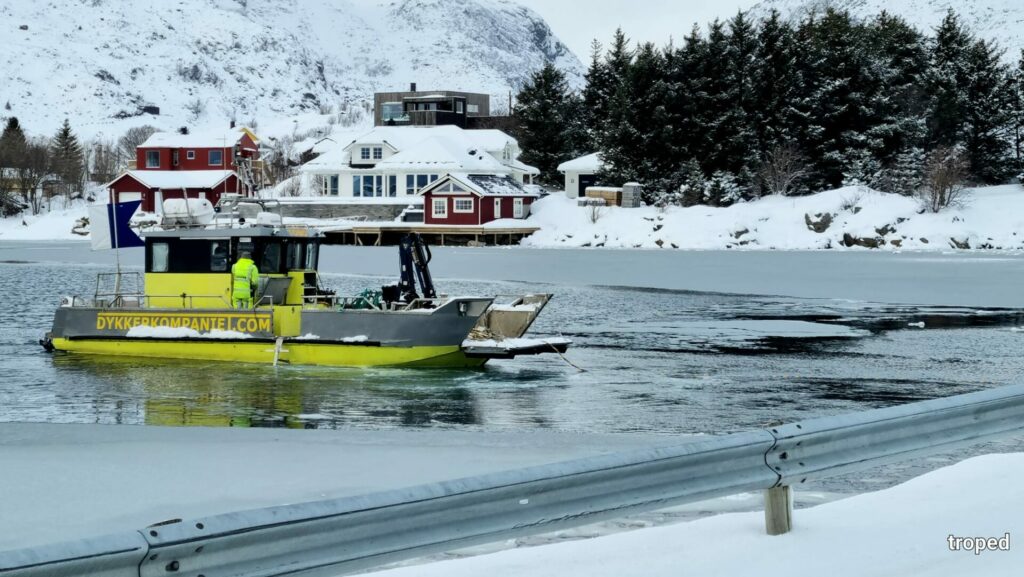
152	159
392	185
440	206
497	208
392	111
174	157
216	157
410	184
459	106
421	181
364	153
312	255
463	205
368	185
331	185
473	108
378	153
271	261
219	256
190	155
160	252
294	254
517	208
434	177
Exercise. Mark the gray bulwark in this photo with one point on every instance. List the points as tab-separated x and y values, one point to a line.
444	326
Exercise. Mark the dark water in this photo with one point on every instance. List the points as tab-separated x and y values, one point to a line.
655	361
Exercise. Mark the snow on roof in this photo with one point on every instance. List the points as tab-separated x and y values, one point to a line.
483	184
526	168
588	163
402	137
175	179
443	154
210	139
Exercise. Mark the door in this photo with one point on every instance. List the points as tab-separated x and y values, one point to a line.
586	180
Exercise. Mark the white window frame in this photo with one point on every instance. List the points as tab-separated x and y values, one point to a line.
517	208
378	152
190	155
442	203
497	208
150	164
364	153
457	200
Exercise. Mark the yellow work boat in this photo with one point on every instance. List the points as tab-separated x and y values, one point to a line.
183	309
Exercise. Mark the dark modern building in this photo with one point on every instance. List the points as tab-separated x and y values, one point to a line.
430	108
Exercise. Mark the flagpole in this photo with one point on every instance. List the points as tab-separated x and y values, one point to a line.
117	248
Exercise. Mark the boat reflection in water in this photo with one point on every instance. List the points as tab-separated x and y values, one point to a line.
213	394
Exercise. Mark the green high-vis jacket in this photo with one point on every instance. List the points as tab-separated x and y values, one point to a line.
245	278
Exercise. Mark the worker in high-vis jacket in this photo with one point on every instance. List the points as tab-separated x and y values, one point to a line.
245	277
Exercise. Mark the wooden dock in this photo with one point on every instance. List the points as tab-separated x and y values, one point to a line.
388	234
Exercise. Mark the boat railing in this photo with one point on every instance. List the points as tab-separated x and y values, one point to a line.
363	302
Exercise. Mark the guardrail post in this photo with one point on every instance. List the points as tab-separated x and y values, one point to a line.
778	510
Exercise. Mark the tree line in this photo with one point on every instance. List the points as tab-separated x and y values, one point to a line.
35	169
748	108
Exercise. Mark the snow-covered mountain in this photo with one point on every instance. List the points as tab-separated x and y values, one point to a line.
999	20
99	62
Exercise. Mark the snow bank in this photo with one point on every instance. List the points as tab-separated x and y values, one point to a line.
142	332
993	217
899	531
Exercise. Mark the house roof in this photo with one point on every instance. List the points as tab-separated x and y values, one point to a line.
443	155
176	179
440	148
586	164
482	184
210	139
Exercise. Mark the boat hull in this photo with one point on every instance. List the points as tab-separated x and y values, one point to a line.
363	338
264	352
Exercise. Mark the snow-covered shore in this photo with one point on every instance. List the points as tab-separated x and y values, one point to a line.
851	217
992	217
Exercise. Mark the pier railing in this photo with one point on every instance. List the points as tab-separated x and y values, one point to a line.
357	533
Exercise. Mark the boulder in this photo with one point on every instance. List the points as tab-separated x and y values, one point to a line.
819	223
850	240
960	244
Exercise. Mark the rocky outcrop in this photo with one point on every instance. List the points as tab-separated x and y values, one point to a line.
819	223
850	240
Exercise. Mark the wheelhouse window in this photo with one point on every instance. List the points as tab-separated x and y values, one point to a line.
440	208
473	108
216	158
270	262
152	159
159	257
463	205
219	256
458	107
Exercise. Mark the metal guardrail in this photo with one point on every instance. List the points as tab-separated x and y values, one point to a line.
357	533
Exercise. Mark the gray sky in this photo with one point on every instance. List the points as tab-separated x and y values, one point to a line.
577	22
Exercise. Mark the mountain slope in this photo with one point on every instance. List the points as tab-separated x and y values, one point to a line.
99	62
999	20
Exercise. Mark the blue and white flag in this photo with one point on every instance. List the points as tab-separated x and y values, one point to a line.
110	232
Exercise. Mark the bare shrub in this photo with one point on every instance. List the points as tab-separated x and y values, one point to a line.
782	170
131	140
595	212
945	171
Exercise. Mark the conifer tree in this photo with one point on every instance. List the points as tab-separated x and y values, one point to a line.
946	82
775	79
12	144
67	159
547	131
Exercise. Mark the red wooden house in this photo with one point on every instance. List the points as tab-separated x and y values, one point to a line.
197	165
475	199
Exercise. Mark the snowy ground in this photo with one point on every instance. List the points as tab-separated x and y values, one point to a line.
992	217
901	531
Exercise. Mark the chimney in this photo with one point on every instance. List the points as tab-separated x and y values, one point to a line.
232	124
412	87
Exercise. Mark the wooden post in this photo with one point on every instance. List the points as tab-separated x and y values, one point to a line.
778	510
